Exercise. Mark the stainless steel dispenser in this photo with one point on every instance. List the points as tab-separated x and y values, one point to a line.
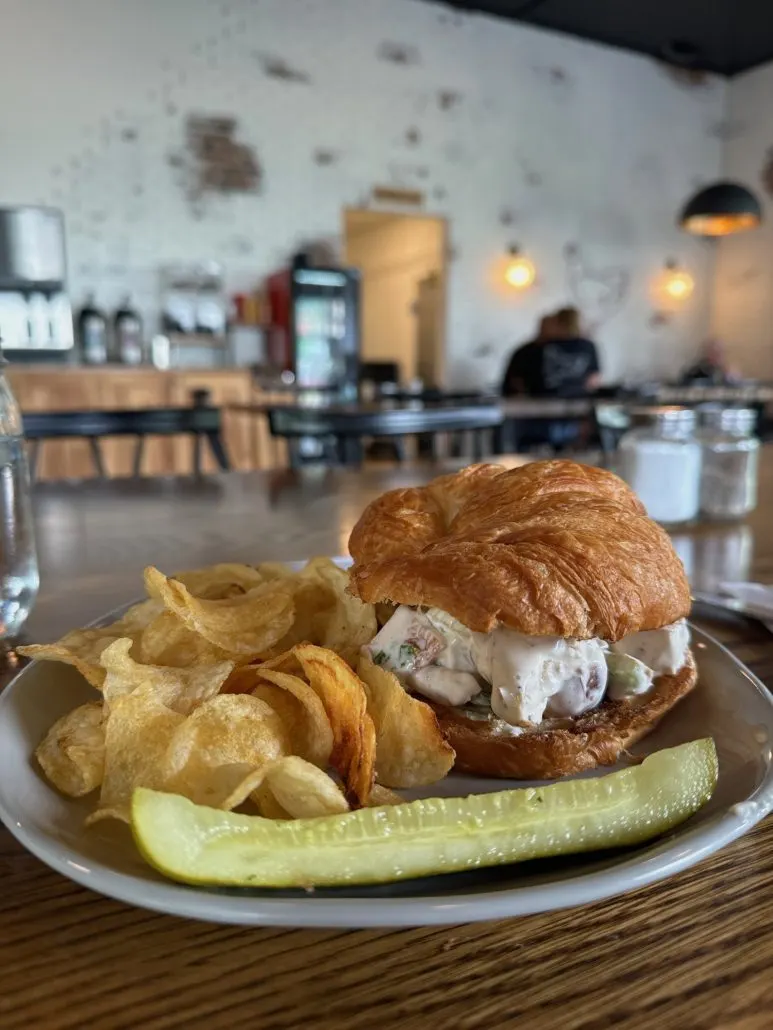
35	312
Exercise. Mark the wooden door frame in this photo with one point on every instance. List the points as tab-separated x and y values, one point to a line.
425	216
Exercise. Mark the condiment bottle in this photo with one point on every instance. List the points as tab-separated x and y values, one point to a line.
128	334
730	463
661	460
92	333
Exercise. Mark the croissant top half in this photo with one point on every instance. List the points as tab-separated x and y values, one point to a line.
553	548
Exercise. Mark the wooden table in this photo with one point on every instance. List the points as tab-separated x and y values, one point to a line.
693	952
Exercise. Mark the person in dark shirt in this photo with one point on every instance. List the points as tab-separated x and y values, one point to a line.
560	362
712	368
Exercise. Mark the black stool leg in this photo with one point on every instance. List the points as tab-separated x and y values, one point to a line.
197	454
96	456
139	450
219	451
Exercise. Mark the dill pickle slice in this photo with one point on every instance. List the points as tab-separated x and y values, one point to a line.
199	845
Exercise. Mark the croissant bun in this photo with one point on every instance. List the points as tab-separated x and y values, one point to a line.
553	548
550	549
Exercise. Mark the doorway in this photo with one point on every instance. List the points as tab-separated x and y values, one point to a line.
402	261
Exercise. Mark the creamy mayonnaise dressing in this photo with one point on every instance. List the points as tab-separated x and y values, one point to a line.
530	677
662	650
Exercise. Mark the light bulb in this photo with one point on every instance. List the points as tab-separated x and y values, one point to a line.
678	285
520	272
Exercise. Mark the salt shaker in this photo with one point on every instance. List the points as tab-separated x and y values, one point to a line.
730	461
660	459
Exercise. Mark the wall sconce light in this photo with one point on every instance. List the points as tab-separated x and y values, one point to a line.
520	272
676	283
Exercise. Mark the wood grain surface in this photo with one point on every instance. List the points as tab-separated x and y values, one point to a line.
692	953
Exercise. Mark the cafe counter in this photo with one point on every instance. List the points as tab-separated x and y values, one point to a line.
57	388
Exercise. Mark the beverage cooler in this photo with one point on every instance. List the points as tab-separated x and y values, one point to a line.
314	326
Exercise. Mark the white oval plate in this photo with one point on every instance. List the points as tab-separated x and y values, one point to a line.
729	704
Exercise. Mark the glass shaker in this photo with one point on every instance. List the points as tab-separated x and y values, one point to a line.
19	578
730	463
660	459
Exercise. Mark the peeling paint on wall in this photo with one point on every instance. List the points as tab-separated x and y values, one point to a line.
599	293
448	99
214	161
399	53
726	129
276	67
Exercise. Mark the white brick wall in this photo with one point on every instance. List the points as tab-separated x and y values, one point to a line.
581	143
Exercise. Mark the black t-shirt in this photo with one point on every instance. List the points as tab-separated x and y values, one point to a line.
556	368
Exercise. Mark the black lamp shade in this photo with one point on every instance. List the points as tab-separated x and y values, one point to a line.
721	209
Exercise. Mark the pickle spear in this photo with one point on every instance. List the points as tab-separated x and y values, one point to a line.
199	845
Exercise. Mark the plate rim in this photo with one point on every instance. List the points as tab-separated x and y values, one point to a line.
634	871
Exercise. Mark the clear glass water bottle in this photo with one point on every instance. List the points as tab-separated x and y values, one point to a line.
730	461
19	579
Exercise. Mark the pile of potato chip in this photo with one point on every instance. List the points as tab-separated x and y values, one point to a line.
236	684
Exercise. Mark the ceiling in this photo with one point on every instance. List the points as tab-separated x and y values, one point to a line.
725	36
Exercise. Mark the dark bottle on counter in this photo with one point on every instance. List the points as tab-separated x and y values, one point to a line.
128	334
92	333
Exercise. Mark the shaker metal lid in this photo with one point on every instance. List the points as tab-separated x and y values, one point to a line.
730	420
667	416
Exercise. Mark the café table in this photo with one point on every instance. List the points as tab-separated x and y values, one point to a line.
693	952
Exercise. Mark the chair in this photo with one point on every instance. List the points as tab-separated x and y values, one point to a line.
201	421
341	429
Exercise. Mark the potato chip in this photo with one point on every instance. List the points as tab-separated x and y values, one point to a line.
247	625
168	641
411	750
326	614
273	570
347	623
138	730
299	791
299	707
72	753
182	690
213	756
345	702
383	796
216	582
82	648
267	804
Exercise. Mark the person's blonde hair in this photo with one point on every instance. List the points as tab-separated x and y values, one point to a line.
566	322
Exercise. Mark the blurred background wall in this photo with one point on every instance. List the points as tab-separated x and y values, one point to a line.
578	153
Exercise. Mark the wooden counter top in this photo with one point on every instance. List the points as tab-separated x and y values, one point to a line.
118	387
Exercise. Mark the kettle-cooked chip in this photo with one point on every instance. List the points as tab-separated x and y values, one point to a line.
344	699
346	622
72	753
168	641
181	689
82	648
302	712
138	729
247	625
295	789
411	750
213	756
216	582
